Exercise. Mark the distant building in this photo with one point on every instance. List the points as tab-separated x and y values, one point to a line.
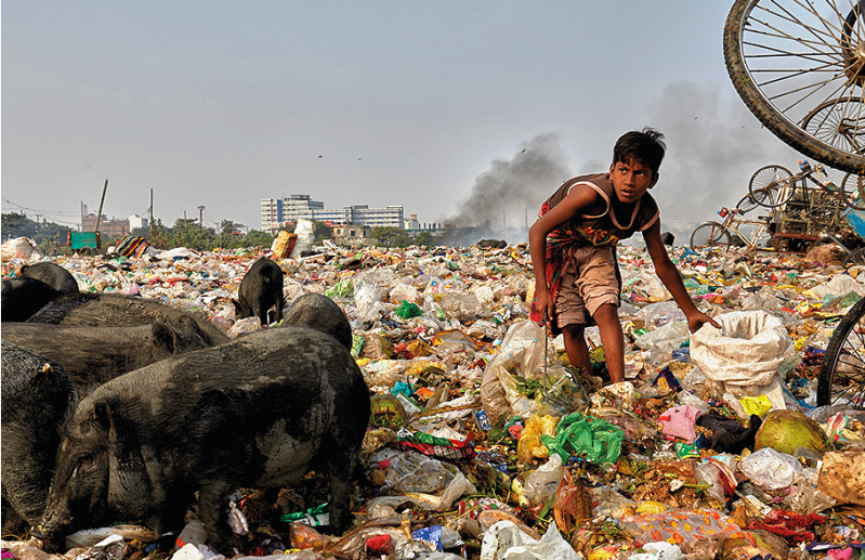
281	212
137	222
353	235
108	228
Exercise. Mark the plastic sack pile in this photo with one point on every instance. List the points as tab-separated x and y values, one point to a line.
485	443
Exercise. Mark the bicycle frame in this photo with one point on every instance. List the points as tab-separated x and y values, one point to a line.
730	223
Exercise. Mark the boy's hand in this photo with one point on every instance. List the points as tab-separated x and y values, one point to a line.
696	320
545	306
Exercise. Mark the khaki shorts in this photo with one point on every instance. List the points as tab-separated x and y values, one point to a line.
589	281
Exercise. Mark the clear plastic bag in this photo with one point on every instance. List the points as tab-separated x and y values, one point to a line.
541	484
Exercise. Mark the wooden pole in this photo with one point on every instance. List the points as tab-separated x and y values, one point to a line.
101	200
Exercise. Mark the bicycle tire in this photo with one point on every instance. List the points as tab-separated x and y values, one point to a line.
827	120
762	108
746	204
855	258
711	234
853	191
768	185
853	361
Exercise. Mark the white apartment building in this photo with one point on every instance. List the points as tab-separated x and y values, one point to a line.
276	213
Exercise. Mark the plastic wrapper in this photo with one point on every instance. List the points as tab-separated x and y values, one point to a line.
530	445
522	351
244	326
667	338
680	526
541	484
770	469
505	541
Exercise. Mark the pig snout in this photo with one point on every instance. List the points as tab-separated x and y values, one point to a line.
54	527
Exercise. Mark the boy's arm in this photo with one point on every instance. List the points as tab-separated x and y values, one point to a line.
579	201
669	275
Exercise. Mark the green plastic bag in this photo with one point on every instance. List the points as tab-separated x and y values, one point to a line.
343	288
599	440
407	310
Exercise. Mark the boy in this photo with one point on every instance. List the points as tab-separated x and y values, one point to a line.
573	250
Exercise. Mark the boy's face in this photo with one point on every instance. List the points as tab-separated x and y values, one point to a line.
632	179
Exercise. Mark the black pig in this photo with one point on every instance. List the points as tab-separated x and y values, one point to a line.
321	313
21	298
115	310
258	412
52	274
93	355
260	289
36	397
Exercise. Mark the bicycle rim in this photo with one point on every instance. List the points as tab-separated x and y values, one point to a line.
853	191
746	204
711	234
842	375
799	68
770	186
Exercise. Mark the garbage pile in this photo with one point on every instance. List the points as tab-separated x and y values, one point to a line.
484	442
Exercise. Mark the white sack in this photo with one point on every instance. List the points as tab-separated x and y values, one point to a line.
305	231
745	353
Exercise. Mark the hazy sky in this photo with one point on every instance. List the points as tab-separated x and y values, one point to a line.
424	104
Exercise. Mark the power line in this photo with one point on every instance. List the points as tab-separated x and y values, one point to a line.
40	210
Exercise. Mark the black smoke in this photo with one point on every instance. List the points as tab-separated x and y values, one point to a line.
511	192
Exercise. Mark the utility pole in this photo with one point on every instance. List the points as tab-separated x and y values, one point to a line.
101	200
151	213
200	221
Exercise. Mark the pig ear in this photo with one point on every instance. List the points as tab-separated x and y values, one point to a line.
164	337
102	416
188	323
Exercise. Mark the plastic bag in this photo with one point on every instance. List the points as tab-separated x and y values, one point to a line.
744	354
505	541
522	351
414	472
769	469
407	310
659	314
367	299
404	292
679	526
599	440
305	231
541	484
667	338
20	248
530	446
244	326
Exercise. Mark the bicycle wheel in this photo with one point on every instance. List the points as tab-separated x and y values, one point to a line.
853	191
771	186
842	375
710	234
837	122
856	258
746	204
792	59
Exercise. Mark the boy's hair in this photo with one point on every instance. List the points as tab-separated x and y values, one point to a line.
646	145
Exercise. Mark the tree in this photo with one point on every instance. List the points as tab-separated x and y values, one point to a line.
424	239
227	226
322	231
17	225
391	236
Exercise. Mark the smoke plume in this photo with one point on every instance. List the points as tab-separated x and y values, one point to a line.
714	146
512	191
